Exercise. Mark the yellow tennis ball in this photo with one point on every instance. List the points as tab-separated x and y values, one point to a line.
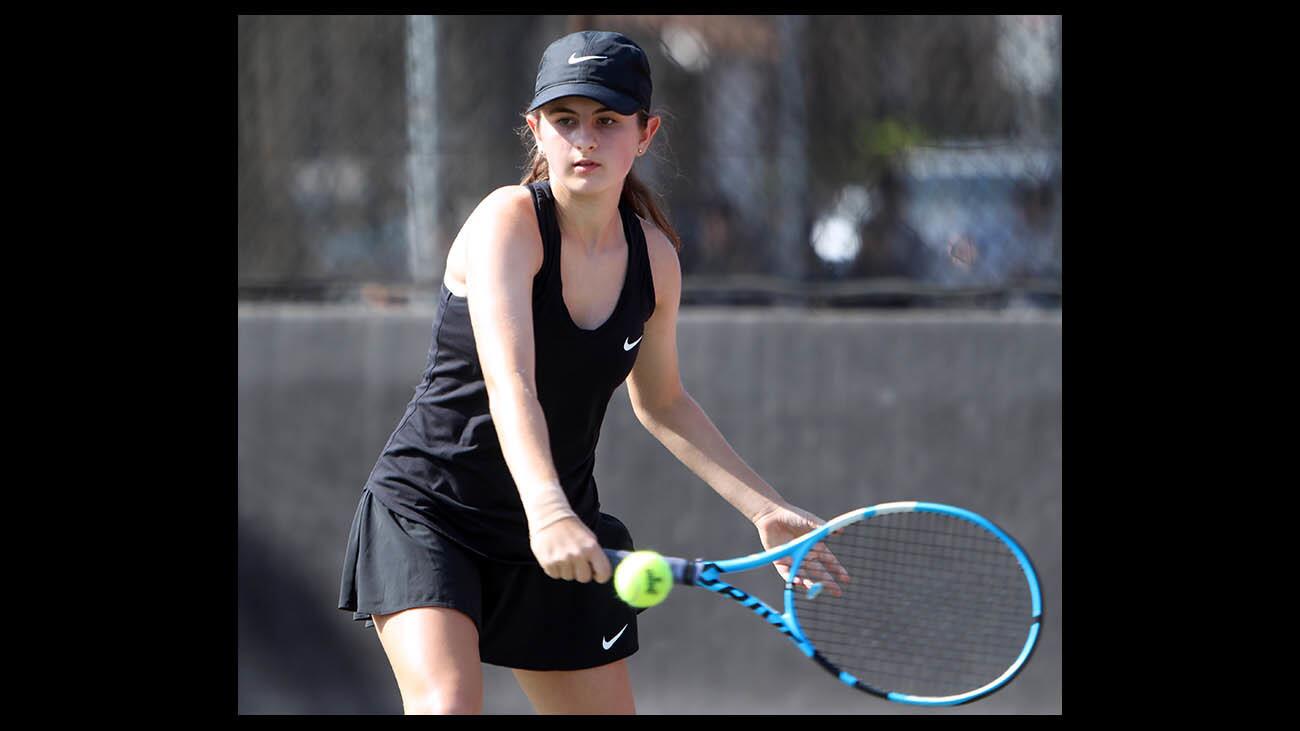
643	579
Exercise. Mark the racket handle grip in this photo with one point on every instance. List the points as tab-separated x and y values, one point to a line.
684	572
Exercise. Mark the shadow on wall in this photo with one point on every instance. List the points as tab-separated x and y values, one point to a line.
292	657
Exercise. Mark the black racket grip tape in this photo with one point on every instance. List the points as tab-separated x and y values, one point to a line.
684	572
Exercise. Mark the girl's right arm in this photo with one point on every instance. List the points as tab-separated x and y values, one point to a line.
503	252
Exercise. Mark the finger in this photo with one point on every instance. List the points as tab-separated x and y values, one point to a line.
822	555
582	569
782	567
815	570
828	568
808	580
600	566
828	559
832	588
807	584
565	569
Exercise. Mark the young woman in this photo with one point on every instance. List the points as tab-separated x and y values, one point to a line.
479	537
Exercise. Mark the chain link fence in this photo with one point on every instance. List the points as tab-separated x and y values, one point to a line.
825	160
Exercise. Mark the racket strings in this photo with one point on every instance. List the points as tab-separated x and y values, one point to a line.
887	643
898	632
895	593
870	631
946	673
988	552
916	537
970	581
935	605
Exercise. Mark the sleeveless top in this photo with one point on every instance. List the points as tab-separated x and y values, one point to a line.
443	466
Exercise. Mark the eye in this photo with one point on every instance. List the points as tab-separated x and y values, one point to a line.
611	121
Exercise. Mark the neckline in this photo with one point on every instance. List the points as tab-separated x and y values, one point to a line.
622	293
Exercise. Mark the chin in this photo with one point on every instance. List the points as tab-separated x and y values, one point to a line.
591	184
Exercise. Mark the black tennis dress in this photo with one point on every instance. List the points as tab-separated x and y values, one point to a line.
440	521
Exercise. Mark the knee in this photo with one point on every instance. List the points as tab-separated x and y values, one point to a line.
443	704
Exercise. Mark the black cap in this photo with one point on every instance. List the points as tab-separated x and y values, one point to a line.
607	67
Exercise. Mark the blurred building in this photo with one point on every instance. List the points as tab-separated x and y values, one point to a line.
796	151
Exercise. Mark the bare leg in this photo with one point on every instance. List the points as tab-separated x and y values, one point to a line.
434	654
603	690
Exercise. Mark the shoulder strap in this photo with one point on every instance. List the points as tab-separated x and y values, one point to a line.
639	257
549	226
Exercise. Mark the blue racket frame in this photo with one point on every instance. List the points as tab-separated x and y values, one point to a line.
705	574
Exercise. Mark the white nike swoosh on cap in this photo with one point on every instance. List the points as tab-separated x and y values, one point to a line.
610	643
629	346
575	58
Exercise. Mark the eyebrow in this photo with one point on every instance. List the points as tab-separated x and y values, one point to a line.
562	110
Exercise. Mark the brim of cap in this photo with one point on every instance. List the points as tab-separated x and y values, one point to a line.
620	103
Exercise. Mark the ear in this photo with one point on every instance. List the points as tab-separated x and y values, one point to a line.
651	127
532	119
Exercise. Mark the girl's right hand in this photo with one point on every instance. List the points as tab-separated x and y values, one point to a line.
567	549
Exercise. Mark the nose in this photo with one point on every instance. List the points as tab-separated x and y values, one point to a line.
585	139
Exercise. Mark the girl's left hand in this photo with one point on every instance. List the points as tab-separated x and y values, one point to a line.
783	524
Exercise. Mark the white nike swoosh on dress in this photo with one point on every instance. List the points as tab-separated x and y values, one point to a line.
610	643
629	346
575	58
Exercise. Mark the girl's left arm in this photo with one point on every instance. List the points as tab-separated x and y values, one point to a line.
667	411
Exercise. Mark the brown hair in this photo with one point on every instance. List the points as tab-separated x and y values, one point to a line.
635	193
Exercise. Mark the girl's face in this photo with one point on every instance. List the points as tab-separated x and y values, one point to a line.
588	147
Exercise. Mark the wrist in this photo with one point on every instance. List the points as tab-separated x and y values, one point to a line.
767	508
541	524
545	505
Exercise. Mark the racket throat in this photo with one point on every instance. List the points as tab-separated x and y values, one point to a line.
781	622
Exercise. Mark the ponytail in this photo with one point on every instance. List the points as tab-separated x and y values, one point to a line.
636	194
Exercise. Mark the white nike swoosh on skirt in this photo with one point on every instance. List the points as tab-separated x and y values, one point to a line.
610	643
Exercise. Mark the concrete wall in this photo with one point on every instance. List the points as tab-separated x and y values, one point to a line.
835	409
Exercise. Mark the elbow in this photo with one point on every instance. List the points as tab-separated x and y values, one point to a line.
511	387
652	413
644	415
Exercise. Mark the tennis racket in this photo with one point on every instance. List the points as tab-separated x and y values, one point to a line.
915	602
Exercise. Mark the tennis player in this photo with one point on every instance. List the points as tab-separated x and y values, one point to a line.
479	536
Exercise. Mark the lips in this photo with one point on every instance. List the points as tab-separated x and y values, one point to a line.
589	164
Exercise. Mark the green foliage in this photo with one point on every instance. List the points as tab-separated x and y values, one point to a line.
888	137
